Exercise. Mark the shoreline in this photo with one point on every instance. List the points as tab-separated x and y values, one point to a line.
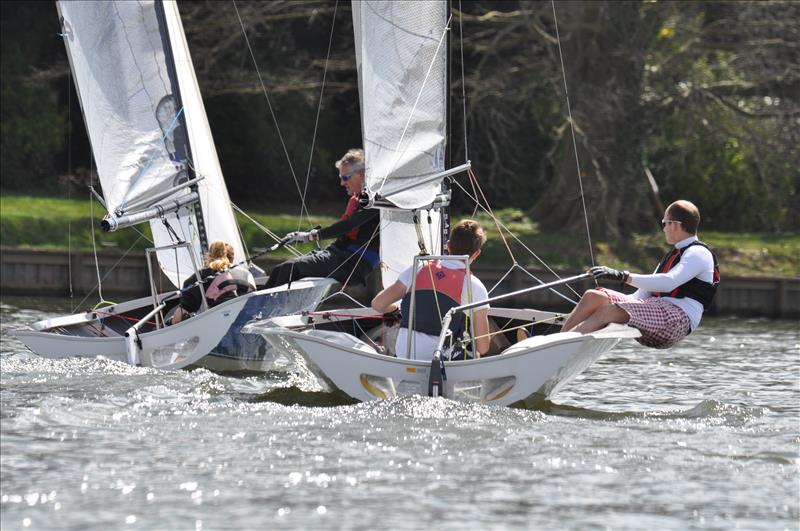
46	272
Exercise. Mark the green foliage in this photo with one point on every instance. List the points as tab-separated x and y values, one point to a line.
32	123
714	118
61	223
48	222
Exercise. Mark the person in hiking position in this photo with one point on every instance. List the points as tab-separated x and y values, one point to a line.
440	286
218	283
356	250
670	302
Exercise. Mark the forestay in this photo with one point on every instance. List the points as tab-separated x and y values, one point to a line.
400	53
146	121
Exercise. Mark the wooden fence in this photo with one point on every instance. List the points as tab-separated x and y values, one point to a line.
48	272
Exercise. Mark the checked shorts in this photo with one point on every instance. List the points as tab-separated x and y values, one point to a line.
661	323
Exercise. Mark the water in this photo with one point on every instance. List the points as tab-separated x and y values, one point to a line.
703	436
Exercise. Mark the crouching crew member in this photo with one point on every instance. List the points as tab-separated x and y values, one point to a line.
356	249
218	283
440	286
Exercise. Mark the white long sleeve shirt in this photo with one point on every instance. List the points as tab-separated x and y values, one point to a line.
697	261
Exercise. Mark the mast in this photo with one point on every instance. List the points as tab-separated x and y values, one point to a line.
444	223
183	147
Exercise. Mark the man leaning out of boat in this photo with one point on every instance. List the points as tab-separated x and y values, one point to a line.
670	302
218	283
440	285
356	250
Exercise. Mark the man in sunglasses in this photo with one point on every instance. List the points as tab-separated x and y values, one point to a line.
669	303
356	249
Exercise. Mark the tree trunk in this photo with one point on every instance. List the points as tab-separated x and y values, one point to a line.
604	51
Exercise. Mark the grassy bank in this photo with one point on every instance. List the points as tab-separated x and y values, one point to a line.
56	223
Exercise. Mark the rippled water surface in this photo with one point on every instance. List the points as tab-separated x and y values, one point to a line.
703	436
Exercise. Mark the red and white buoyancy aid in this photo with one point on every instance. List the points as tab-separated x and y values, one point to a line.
437	290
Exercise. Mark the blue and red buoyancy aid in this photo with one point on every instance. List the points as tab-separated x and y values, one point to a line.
356	242
438	289
696	289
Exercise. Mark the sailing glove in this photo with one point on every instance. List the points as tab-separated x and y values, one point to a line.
607	272
303	237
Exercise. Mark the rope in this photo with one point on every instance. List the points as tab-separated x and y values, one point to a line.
265	230
121	316
477	185
271	111
74	309
572	131
151	158
435	298
316	119
94	244
514	236
352	316
69	184
501	331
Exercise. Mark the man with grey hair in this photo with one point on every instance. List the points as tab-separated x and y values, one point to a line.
356	248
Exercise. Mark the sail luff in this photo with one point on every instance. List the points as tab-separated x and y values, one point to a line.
219	221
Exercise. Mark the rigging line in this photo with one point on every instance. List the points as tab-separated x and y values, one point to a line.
319	109
360	256
416	102
463	79
151	158
572	131
272	113
514	236
473	177
69	183
360	251
504	330
265	229
111	269
94	244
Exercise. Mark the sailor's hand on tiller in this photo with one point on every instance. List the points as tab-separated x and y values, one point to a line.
607	272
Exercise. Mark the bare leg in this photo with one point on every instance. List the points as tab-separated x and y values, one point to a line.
177	317
610	313
592	300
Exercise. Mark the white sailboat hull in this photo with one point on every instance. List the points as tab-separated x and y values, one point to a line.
537	366
210	339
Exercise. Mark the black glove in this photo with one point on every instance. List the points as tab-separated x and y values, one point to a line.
392	318
607	272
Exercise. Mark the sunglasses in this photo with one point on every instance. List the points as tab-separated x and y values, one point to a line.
345	177
665	222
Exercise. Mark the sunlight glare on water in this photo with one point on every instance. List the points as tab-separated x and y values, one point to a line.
702	436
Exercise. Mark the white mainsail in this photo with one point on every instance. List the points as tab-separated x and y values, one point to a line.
146	121
401	58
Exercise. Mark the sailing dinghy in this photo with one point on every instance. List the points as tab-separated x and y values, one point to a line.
157	163
401	58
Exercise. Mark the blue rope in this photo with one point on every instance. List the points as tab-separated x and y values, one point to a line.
150	160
